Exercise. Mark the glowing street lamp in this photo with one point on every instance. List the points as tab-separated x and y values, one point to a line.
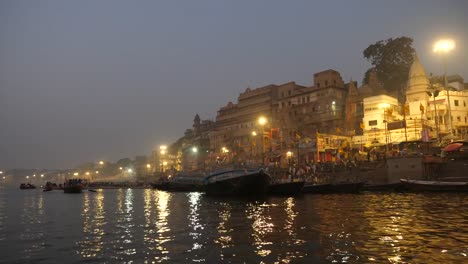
162	149
101	162
254	143
42	175
194	149
444	46
289	154
262	122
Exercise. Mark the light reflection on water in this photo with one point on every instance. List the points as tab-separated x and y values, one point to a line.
149	226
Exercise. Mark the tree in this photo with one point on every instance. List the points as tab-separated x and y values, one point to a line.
391	59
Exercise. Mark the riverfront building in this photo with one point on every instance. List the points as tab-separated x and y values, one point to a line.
326	121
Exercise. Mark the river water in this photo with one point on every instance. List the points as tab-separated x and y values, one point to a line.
151	226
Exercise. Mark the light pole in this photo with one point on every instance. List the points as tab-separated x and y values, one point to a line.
253	146
148	167
444	46
289	155
194	159
262	122
384	106
434	94
162	152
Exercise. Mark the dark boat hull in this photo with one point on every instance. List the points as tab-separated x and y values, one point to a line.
351	187
433	186
177	187
237	183
390	187
288	188
73	189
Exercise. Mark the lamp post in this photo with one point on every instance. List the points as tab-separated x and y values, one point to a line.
384	106
148	167
289	155
434	94
444	46
162	152
262	122
194	152
254	144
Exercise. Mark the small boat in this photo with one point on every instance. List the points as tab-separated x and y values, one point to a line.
25	186
180	183
73	186
237	183
387	187
50	187
433	186
286	188
340	187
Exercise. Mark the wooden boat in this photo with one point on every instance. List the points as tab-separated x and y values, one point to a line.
237	183
387	187
340	187
73	186
51	186
180	183
25	186
433	186
286	188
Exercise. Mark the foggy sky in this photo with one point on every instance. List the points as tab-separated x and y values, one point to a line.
102	80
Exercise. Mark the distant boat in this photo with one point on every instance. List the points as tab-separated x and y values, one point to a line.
433	186
25	186
286	188
386	187
73	186
51	186
325	188
181	183
237	183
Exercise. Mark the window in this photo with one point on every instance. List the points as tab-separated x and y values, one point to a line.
326	83
318	85
456	102
458	118
464	104
289	92
282	94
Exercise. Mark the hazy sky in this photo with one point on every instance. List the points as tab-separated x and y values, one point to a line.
90	80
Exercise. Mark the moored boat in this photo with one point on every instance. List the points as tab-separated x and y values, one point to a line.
328	188
286	188
433	186
73	186
25	186
49	186
237	183
180	183
387	187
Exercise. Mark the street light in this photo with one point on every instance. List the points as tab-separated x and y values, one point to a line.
289	155
444	46
434	94
262	122
384	106
101	162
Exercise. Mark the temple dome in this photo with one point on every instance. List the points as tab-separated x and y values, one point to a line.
417	78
